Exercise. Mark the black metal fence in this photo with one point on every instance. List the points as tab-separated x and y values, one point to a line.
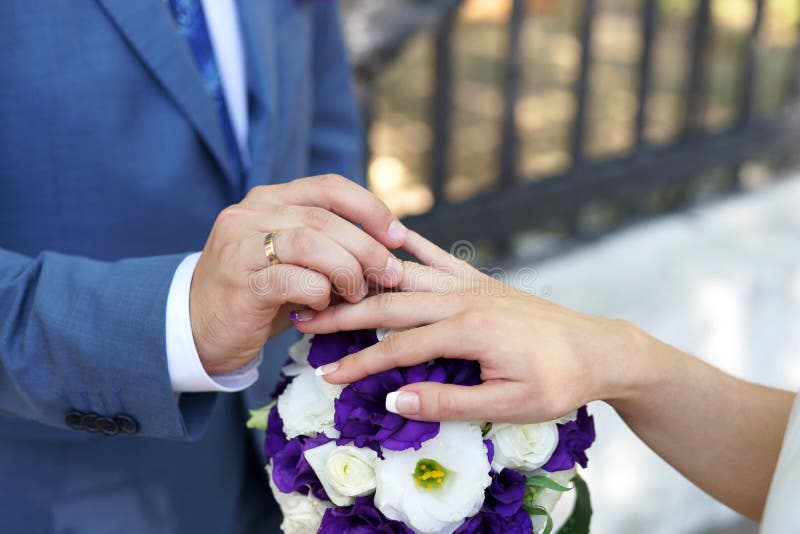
518	202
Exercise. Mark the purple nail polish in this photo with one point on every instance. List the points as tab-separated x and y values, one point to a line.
301	316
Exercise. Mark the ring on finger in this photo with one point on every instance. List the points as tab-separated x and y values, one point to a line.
269	249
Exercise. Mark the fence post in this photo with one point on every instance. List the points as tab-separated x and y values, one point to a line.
693	120
577	142
649	23
442	106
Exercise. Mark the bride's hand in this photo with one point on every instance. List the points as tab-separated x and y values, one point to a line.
538	360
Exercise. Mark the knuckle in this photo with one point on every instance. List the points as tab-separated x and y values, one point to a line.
392	345
316	218
383	303
472	321
301	241
347	278
259	191
507	403
358	361
279	211
332	180
376	252
446	405
229	215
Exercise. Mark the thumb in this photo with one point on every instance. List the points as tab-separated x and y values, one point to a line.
432	401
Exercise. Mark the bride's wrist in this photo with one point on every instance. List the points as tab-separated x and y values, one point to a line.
638	364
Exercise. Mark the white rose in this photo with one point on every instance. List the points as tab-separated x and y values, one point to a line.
345	471
434	489
306	406
522	447
298	352
302	514
547	498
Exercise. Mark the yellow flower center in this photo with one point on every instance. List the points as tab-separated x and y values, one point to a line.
429	474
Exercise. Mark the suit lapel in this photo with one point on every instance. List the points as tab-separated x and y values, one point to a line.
148	28
258	28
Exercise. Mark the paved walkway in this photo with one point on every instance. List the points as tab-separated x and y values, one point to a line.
722	282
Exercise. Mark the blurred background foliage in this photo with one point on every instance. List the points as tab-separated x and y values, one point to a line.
400	136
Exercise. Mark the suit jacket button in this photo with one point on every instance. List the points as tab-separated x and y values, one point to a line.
73	419
89	422
126	423
107	426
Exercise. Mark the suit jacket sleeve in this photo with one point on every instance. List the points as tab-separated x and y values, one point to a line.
79	334
337	141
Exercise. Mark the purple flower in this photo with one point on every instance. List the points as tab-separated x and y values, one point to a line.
489	449
502	508
327	348
573	440
361	518
290	470
504	495
483	523
276	439
461	372
361	414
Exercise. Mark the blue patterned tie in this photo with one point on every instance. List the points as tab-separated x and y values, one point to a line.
192	25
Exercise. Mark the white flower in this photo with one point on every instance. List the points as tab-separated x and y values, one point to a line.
548	499
345	471
298	352
522	447
302	514
434	489
306	406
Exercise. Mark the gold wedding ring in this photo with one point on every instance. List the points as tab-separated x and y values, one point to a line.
269	249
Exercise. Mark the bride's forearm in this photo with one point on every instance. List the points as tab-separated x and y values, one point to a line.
722	433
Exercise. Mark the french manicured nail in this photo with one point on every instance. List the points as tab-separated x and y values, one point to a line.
301	316
397	232
328	368
394	270
402	403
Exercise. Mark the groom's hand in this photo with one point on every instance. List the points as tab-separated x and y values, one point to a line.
235	296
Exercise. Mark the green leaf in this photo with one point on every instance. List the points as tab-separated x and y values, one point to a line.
545	482
258	418
539	510
581	516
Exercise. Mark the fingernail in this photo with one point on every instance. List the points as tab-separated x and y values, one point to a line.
402	402
394	270
328	368
364	289
301	316
397	232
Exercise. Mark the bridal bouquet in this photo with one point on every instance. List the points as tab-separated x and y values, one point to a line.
339	462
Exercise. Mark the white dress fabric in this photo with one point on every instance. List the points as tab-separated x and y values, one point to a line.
782	514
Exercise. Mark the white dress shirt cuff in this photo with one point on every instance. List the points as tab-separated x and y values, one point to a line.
186	372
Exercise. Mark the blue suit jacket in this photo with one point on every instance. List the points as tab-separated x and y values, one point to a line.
112	168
